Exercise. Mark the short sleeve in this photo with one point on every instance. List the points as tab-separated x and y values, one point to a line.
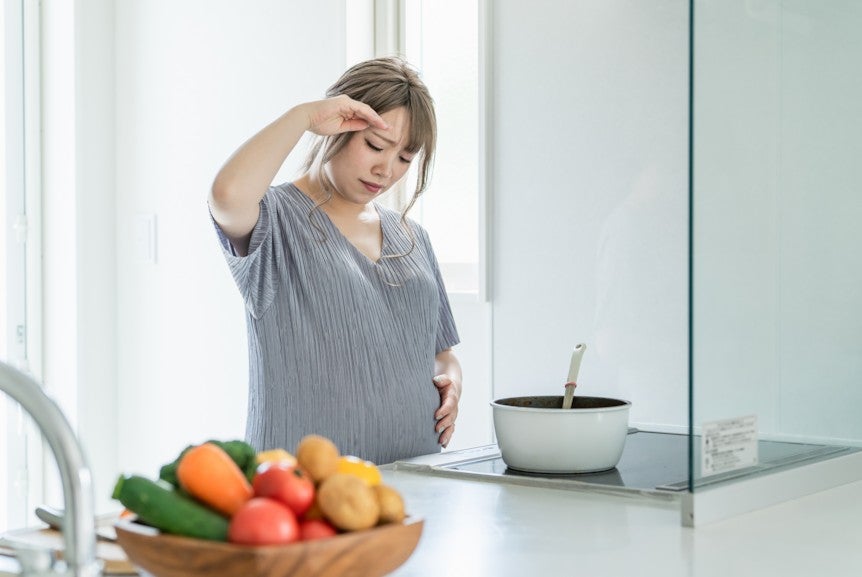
256	273
447	333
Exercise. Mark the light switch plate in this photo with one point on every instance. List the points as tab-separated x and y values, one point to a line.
146	237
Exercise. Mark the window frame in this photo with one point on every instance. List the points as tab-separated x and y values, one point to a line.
23	468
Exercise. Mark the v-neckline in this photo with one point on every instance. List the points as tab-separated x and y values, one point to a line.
334	227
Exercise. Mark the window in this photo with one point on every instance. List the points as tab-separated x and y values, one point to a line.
440	38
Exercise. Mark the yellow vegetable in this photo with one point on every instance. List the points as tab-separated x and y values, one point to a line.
277	456
365	470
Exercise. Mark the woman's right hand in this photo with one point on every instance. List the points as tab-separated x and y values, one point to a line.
340	114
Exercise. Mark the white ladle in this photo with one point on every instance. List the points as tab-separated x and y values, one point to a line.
574	367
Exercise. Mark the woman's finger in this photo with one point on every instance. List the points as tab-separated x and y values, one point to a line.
446	436
369	115
448	406
448	411
442	381
445	422
353	125
357	115
341	114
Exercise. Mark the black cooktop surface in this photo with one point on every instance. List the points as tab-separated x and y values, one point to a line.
657	462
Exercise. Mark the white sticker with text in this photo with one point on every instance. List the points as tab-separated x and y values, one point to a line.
728	445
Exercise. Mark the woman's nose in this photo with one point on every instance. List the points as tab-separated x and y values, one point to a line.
384	169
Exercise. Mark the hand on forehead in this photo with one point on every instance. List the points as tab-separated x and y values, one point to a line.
398	131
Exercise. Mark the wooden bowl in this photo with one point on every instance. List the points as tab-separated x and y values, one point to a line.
370	553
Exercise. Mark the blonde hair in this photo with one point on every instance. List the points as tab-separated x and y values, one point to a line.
383	84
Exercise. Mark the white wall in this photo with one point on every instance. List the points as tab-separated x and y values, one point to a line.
590	200
194	80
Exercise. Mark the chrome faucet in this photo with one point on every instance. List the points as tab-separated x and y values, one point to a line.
79	532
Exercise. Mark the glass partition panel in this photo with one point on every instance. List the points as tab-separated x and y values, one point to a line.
776	337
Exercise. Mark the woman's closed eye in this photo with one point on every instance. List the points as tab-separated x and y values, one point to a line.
375	148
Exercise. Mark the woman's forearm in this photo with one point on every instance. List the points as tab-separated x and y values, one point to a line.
248	173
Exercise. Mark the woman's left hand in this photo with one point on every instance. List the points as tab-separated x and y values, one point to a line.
450	393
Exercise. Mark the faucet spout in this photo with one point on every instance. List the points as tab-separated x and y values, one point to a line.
79	531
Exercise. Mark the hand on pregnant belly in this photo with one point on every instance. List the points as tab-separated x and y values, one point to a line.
450	393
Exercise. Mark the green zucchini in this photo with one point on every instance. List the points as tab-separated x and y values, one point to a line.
240	452
158	504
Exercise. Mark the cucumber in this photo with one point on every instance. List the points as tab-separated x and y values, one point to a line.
158	504
240	452
168	473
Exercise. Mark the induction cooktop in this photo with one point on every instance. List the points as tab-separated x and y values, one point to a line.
652	463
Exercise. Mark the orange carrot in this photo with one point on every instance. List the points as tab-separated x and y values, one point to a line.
208	474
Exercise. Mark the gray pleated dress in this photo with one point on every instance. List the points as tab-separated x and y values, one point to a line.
340	345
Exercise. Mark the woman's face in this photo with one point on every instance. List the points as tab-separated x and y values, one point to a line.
373	159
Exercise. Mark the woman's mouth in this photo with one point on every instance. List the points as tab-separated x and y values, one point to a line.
371	187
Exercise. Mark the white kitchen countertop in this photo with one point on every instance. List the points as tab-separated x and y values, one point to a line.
478	528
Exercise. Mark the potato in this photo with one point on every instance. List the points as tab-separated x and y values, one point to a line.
348	502
391	504
317	456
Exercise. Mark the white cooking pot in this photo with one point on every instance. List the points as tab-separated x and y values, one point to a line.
537	435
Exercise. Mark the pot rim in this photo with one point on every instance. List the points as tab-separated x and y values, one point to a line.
623	406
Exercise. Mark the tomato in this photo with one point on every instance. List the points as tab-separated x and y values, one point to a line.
310	529
365	470
262	521
285	483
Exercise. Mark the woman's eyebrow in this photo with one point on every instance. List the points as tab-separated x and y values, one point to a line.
381	137
392	142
